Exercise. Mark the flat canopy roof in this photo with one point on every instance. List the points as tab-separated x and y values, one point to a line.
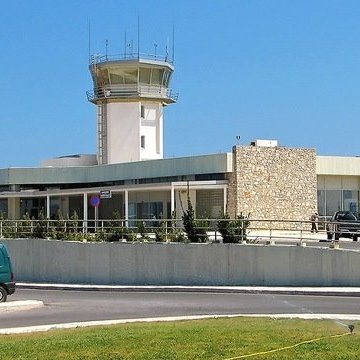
193	165
338	165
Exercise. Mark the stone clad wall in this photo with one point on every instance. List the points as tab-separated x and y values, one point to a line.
273	183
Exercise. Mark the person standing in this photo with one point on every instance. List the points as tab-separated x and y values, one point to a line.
314	218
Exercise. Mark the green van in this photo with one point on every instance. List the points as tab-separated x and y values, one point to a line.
7	281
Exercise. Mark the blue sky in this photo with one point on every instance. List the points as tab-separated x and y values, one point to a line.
271	69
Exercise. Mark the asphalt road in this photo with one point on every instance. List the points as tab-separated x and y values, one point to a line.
65	306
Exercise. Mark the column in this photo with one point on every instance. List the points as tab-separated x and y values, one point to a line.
126	204
172	196
85	208
225	199
47	207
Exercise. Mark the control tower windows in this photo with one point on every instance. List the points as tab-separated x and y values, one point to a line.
123	76
102	77
157	75
154	76
145	74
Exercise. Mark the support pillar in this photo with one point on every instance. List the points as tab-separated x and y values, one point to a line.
225	200
85	210
126	205
47	215
172	197
14	208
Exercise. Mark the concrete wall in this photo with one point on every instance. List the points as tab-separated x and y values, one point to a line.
186	264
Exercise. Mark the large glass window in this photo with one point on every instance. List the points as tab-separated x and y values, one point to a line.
123	76
32	207
145	210
3	208
54	207
333	201
157	76
76	206
321	202
145	76
351	200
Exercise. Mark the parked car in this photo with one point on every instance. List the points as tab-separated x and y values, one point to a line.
7	281
343	224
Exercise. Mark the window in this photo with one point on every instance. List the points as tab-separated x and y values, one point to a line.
142	141
142	111
333	201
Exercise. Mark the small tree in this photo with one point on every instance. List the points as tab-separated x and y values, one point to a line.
175	234
195	230
24	228
161	231
233	231
40	230
141	229
188	219
73	223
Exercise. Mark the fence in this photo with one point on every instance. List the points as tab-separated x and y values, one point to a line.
161	230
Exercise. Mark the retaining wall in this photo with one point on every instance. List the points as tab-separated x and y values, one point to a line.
38	260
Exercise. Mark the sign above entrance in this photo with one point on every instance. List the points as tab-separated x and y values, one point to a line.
94	201
105	194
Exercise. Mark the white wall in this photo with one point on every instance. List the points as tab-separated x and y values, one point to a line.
123	129
184	264
151	128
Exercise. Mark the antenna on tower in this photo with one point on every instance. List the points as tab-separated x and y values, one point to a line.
125	45
173	44
167	49
138	37
89	41
106	49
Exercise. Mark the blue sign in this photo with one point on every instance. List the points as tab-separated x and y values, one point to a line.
94	201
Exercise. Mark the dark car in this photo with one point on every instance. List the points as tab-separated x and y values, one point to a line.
343	224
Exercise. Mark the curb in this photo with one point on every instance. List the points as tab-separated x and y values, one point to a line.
74	325
20	305
315	291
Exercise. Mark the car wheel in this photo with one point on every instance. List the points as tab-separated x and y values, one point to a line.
337	236
329	236
3	294
355	238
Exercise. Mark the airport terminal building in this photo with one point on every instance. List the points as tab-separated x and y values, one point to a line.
129	175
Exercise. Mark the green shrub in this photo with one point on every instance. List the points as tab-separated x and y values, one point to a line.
195	229
161	231
233	231
41	227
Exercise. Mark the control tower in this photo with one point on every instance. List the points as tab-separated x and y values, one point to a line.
130	92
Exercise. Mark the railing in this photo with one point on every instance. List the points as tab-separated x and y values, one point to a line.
96	59
165	230
149	91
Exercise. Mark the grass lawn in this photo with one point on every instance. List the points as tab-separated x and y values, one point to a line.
222	338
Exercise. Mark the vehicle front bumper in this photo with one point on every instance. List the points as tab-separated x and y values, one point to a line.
10	286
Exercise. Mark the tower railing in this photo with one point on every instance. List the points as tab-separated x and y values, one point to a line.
132	90
97	58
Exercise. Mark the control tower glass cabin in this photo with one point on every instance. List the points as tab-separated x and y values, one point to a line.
130	93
